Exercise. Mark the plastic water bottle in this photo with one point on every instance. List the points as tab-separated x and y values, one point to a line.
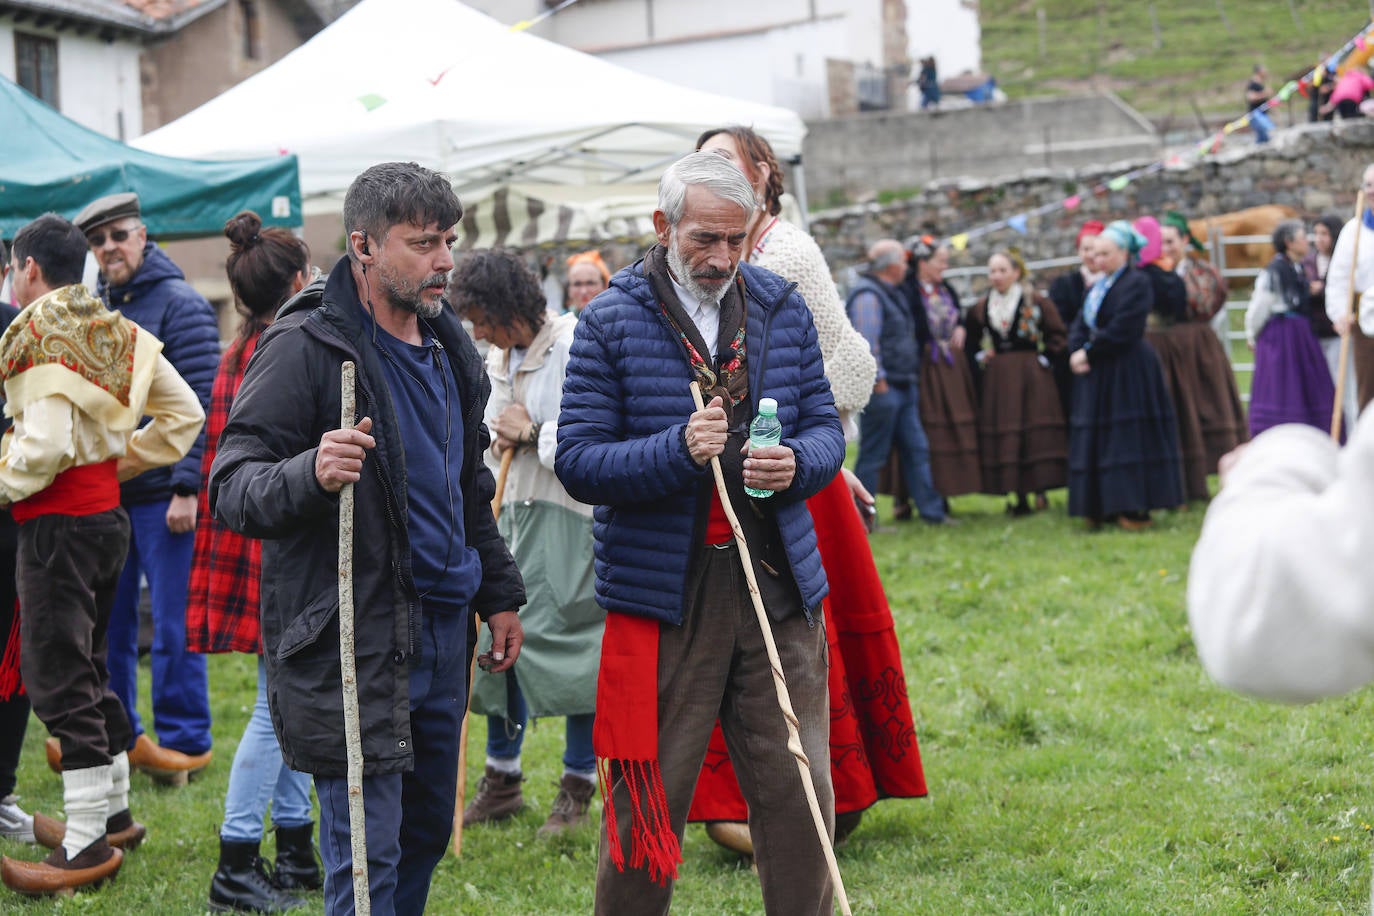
763	432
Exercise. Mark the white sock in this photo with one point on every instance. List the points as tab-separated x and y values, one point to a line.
588	776
86	796
119	776
508	765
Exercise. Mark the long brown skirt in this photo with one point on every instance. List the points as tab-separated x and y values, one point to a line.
950	420
1363	348
1022	435
1211	421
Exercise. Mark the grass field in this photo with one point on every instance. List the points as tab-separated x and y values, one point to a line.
1079	760
1202	52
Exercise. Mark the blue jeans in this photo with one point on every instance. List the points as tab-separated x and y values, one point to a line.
892	419
409	815
506	736
1262	125
259	776
181	701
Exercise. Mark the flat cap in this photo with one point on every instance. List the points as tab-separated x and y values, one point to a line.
106	210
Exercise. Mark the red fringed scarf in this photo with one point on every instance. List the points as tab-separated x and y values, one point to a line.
11	683
625	737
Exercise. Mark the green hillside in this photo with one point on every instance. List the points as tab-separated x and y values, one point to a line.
1202	54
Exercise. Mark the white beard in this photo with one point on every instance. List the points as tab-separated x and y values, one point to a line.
683	274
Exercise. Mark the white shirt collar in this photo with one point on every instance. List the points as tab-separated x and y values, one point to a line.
705	315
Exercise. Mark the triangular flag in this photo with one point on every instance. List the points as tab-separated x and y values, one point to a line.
1018	222
1119	182
1072	202
372	101
1287	91
1317	77
960	241
1359	42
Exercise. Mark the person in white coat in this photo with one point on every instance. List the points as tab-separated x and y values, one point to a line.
1343	275
1280	587
550	536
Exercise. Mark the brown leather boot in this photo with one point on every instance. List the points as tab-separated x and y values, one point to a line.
498	797
164	765
570	805
92	866
121	830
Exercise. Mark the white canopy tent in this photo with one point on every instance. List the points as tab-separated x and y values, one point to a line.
543	143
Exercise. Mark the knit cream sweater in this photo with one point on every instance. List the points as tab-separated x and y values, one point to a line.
793	255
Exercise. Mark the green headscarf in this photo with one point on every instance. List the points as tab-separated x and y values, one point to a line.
1180	222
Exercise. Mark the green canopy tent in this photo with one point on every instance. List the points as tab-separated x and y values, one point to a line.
49	162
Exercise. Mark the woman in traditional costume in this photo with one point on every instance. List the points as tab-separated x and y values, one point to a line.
1067	292
947	396
873	749
1123	441
1022	435
1292	383
1207	405
1325	231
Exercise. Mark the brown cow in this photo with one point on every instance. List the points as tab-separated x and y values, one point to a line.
1251	221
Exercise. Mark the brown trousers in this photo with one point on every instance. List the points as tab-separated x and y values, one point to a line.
1362	348
715	665
67	571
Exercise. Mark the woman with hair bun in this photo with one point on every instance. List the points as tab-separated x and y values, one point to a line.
873	749
266	267
1123	441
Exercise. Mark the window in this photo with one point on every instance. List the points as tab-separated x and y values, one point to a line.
35	59
252	30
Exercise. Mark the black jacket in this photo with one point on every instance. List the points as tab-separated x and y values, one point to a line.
263	485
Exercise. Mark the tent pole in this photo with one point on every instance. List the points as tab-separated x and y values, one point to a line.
799	184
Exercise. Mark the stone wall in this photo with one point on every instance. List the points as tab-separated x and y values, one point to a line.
1315	169
853	158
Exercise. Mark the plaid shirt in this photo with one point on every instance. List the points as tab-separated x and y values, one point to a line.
222	598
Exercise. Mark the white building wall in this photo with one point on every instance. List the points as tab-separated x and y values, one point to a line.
97	81
949	30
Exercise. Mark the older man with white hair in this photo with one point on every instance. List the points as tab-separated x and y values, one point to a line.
682	644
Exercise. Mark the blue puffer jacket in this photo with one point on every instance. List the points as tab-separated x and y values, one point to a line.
159	300
622	438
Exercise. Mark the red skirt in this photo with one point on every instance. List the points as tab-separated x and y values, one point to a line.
873	749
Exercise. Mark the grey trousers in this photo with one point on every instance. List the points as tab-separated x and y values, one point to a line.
715	665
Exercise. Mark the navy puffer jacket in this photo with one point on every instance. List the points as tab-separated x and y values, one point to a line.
159	300
622	438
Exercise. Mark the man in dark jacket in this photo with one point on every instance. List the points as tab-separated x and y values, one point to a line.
427	555
682	644
146	287
884	315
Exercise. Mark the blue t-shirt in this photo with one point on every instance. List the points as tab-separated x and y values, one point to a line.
446	570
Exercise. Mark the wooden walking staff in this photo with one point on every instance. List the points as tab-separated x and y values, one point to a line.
1344	363
779	680
506	457
357	820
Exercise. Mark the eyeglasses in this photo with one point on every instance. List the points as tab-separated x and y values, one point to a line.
119	236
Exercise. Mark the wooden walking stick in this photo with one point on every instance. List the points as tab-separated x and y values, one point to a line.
357	819
1344	363
779	680
501	473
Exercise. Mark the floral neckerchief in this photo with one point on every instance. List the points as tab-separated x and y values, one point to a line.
942	315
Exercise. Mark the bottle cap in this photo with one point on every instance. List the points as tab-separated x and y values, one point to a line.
768	406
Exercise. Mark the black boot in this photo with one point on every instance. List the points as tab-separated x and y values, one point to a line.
296	867
241	883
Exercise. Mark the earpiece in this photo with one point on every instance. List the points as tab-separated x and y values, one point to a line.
364	249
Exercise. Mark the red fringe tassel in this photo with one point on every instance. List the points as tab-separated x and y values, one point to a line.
654	846
11	684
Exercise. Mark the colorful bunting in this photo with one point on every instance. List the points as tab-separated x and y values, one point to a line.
1212	145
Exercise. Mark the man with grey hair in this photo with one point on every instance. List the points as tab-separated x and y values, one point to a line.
682	645
882	313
